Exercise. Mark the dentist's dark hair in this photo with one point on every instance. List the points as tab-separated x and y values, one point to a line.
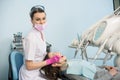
35	9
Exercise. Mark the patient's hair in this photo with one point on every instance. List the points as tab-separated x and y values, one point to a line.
51	73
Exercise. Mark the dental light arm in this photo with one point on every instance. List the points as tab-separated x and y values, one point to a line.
105	34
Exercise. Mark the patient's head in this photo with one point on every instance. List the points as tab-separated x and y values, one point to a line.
51	71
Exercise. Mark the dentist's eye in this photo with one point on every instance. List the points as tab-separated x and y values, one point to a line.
44	18
38	19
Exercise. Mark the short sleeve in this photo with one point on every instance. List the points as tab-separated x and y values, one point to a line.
29	48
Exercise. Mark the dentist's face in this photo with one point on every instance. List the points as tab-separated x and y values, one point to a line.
39	18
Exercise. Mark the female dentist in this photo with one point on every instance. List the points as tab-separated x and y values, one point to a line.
35	48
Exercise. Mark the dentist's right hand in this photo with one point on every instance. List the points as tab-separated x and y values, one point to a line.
62	59
53	60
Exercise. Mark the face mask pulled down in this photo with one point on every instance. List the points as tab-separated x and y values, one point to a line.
40	27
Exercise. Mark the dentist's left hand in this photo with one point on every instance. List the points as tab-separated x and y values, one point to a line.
61	62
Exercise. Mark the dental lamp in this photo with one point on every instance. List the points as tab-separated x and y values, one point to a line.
105	35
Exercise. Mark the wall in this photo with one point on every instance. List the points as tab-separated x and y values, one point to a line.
65	18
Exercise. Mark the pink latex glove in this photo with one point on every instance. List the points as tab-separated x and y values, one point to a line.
52	60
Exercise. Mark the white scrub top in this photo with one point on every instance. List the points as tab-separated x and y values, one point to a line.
35	50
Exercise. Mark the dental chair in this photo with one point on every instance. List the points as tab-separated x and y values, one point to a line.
15	62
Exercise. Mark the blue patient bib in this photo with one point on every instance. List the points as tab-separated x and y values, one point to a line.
81	67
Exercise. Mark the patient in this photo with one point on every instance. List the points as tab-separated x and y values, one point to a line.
110	73
53	73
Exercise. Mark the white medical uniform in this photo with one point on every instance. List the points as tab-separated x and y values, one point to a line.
35	50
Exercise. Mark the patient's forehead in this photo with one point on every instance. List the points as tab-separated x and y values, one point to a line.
50	55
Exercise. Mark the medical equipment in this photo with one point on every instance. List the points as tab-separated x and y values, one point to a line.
105	35
48	48
17	42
